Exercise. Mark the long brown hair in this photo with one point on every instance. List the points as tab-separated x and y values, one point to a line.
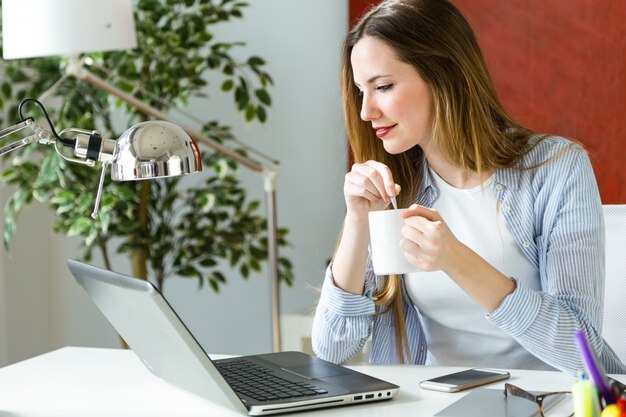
470	127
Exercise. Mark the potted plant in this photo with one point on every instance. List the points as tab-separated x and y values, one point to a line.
188	228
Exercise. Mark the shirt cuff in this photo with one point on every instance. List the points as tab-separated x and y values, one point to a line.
344	303
518	310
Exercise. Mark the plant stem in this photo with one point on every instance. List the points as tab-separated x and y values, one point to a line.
105	253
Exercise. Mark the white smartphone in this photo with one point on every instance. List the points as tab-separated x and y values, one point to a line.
469	378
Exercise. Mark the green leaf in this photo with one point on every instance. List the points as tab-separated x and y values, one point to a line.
104	218
6	90
241	98
40	195
79	226
47	171
235	257
219	277
63	197
245	271
228	69
227	85
255	265
256	61
20	197
8	176
253	205
213	62
263	96
261	114
9	230
251	112
207	263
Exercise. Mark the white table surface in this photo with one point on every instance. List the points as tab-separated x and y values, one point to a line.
112	382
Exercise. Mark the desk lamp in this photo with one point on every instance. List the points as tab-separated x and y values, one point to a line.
36	28
153	149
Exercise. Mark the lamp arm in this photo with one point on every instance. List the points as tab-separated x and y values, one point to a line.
46	137
89	146
39	134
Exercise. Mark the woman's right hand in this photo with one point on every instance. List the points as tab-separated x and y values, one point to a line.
368	187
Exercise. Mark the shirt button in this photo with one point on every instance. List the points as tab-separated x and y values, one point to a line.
499	186
526	244
507	208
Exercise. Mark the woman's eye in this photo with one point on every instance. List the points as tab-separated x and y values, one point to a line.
384	87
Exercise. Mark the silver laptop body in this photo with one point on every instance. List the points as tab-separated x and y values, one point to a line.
153	330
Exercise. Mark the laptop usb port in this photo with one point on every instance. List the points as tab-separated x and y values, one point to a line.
368	396
358	397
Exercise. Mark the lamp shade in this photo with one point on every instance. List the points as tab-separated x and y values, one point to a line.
154	149
35	28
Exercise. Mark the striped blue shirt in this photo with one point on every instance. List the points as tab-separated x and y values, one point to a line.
555	214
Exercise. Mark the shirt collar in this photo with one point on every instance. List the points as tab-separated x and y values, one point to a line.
507	177
428	192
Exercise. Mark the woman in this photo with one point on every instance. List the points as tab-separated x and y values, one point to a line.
505	224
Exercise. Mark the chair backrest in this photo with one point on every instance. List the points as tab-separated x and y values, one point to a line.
614	320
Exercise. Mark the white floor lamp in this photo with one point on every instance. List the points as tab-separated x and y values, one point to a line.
36	28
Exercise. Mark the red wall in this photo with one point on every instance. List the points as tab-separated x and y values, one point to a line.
357	7
559	67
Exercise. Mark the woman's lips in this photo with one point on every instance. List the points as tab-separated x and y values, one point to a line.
381	132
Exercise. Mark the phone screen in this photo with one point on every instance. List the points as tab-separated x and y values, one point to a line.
469	378
463	377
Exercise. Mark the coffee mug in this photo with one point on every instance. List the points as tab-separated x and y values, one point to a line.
385	235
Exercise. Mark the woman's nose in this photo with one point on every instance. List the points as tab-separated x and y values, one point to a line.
369	110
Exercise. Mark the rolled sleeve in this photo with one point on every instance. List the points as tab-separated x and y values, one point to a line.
344	303
343	321
518	311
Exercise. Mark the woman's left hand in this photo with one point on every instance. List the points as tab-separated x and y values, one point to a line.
427	241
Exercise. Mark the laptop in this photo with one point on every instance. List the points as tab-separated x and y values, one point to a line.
262	384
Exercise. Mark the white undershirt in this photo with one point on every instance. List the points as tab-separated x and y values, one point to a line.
456	328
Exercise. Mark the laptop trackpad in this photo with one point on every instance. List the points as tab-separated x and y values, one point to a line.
316	369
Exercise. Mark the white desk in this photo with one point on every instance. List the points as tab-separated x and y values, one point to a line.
112	382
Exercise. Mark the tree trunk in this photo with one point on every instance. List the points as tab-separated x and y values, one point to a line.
139	257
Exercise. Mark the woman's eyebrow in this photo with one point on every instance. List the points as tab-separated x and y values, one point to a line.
374	78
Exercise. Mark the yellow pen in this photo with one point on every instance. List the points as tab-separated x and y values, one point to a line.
585	398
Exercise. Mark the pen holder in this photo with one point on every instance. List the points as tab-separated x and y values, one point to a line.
609	394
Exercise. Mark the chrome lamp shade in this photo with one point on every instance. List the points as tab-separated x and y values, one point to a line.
154	149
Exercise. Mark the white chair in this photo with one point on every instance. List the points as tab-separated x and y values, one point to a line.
614	320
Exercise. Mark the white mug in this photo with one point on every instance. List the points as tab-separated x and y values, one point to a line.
385	235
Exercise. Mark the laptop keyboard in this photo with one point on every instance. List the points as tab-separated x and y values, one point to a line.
254	381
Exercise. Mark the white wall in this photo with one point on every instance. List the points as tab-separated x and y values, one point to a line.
26	285
42	308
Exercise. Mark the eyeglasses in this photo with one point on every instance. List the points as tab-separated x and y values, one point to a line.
538	399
